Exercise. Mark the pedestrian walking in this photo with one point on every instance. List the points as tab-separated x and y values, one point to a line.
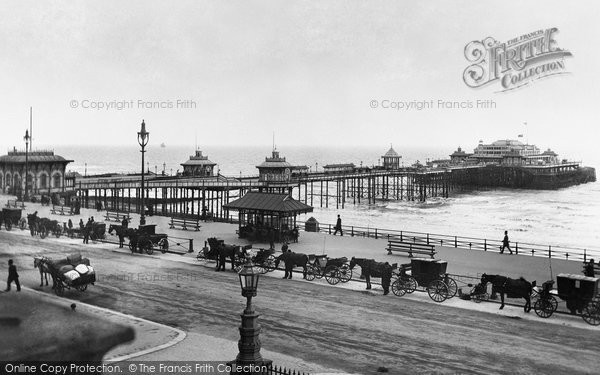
505	244
12	276
338	226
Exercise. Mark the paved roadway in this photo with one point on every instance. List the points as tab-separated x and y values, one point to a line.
337	328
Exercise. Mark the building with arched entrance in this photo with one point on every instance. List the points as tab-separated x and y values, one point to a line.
46	172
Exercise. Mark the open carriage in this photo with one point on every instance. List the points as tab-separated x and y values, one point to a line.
579	292
10	217
429	274
334	270
73	272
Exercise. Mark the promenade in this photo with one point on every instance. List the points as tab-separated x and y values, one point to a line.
161	342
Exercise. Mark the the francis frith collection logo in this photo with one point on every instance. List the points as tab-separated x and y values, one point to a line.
514	63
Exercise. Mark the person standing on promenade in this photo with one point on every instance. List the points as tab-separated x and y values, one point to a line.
338	226
124	223
505	244
12	276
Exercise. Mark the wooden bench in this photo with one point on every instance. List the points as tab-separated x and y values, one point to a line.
117	216
184	223
62	210
411	248
15	203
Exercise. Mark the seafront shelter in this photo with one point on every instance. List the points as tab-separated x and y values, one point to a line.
268	216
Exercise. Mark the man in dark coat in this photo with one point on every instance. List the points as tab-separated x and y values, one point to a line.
338	226
12	276
505	243
124	223
588	269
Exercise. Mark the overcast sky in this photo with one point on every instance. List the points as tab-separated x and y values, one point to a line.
307	71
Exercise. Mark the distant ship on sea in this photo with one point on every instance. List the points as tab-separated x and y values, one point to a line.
162	145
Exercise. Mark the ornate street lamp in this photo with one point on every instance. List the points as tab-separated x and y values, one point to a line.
249	360
27	138
143	137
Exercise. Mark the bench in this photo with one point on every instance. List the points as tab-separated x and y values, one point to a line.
14	203
184	223
117	216
62	210
411	248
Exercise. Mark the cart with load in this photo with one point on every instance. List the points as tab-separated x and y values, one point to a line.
10	217
428	274
73	272
579	292
334	270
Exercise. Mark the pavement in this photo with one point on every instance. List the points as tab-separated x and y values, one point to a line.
158	342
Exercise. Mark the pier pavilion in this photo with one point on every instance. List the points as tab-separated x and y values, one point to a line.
198	165
391	159
45	170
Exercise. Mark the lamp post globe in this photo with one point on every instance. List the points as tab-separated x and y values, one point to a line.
143	137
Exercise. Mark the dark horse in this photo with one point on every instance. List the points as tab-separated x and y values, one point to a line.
292	260
513	288
220	252
371	268
121	232
41	264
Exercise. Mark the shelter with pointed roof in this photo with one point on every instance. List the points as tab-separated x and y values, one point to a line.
198	165
391	159
46	172
264	214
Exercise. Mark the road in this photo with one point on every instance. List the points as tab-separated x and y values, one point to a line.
337	328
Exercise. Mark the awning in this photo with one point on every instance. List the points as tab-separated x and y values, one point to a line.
268	203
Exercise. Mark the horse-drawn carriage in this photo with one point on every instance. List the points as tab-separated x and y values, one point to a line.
72	272
42	226
10	217
333	269
426	273
143	238
579	292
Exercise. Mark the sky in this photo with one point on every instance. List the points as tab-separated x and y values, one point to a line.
237	72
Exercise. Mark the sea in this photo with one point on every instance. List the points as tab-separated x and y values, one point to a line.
567	217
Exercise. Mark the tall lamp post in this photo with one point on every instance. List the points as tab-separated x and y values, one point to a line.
143	137
249	360
27	138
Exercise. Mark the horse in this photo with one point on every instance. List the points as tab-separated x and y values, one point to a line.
292	260
121	232
513	288
221	252
40	263
371	268
32	222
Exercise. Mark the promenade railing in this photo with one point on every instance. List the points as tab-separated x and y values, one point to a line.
461	242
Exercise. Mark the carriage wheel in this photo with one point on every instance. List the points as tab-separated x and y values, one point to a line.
58	231
132	246
147	246
332	275
452	287
8	224
82	288
345	273
543	307
22	223
410	285
318	271
437	290
93	236
310	273
59	289
591	313
43	231
399	287
164	245
269	263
